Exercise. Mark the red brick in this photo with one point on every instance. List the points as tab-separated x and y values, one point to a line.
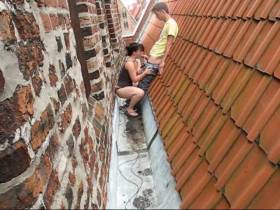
72	179
2	82
62	68
51	3
62	94
76	128
74	163
69	195
52	188
26	193
53	147
52	76
63	4
56	105
46	22
41	3
13	161
26	25
30	57
15	111
41	128
69	84
7	31
67	40
37	84
24	100
54	21
97	87
66	118
84	152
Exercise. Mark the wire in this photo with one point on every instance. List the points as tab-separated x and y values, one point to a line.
129	180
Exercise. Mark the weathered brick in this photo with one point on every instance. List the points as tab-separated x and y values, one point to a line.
13	161
30	57
94	75
99	96
54	21
84	111
72	179
84	152
42	127
62	68
70	143
15	111
97	87
65	118
26	25
2	82
24	100
46	20
76	128
40	3
62	94
69	84
7	31
67	40
53	147
37	84
52	188
16	1
59	43
63	4
74	163
79	196
56	105
99	199
68	60
51	3
26	193
52	75
69	196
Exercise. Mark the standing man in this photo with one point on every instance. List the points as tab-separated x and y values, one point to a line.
161	48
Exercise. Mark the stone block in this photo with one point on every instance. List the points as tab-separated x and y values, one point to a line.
13	161
41	128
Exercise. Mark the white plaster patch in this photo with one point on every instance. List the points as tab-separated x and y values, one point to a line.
10	68
2	6
61	167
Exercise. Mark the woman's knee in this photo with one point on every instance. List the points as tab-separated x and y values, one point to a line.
140	93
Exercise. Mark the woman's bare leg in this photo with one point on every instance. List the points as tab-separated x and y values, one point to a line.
135	94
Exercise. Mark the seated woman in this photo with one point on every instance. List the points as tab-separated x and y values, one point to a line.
128	76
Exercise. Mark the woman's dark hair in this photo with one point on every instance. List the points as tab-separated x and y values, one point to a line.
133	47
161	6
141	47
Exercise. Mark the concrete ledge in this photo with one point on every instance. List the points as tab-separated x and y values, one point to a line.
164	182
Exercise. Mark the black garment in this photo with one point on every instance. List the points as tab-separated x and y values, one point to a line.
124	78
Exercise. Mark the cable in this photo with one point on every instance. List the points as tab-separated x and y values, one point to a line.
129	180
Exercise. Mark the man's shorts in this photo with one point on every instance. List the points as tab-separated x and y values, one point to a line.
147	81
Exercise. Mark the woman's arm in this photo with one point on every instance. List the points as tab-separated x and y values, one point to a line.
133	72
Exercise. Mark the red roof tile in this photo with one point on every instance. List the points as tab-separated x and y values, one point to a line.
218	102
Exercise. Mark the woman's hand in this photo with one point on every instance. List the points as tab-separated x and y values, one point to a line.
145	57
147	72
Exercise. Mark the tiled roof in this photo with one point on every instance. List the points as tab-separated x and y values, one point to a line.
218	102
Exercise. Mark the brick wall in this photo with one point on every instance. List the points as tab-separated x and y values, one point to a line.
54	143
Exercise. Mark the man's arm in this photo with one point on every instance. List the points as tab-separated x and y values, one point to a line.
170	41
